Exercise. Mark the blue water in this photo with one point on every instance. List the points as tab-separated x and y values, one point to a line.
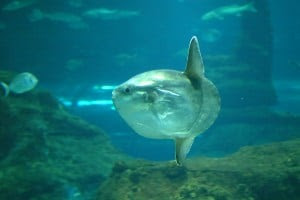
70	61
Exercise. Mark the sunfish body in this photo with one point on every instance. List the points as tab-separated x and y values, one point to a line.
169	104
21	83
221	12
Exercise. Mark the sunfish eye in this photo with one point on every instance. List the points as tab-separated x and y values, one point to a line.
127	90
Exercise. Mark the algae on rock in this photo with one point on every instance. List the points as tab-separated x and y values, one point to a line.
254	173
47	153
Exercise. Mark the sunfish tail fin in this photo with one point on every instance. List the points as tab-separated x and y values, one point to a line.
5	88
182	148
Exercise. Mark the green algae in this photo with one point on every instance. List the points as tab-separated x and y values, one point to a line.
46	153
262	172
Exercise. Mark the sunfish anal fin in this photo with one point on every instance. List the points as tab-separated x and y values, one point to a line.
182	148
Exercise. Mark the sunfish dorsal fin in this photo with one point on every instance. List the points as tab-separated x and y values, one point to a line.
194	68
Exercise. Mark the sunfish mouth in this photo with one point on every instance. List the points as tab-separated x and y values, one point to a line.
116	95
116	92
113	94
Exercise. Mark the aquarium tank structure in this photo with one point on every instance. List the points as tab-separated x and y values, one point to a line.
149	100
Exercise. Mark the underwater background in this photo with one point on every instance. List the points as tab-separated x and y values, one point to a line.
65	140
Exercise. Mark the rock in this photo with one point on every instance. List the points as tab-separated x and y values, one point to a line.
259	172
47	153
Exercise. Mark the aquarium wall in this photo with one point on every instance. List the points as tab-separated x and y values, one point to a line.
58	119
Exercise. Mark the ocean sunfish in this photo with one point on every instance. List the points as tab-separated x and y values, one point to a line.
21	83
169	104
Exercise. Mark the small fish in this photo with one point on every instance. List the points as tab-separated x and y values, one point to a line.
294	64
74	64
18	4
2	26
211	35
235	10
72	192
169	104
110	14
75	3
21	83
73	21
124	59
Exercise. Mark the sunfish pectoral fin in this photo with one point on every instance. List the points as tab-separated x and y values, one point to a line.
182	148
5	88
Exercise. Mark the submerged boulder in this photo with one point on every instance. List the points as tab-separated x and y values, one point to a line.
47	153
259	172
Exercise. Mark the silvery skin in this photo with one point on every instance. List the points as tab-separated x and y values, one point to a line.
170	104
21	83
